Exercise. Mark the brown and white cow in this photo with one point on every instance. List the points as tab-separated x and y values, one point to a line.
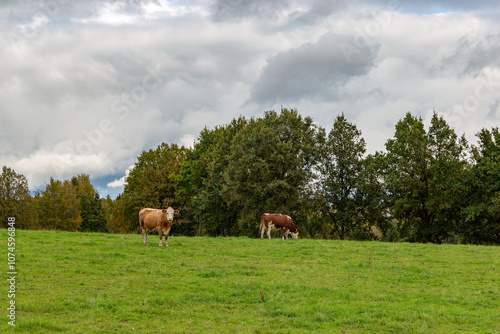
155	219
269	221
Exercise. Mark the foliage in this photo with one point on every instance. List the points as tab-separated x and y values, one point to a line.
481	211
342	179
15	200
59	206
237	172
150	182
372	195
428	186
423	175
90	204
114	214
270	166
200	181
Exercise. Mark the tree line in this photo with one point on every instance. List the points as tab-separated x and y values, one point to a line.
429	185
69	205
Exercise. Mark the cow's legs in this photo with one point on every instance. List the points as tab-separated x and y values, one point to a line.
160	232
144	236
262	230
166	236
269	233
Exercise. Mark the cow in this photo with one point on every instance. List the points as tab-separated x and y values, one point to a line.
154	219
269	221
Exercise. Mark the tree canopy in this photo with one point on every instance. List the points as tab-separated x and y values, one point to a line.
423	177
15	200
428	185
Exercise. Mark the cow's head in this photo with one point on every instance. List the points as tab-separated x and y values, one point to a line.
170	213
294	232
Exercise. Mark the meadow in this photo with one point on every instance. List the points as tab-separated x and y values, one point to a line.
109	283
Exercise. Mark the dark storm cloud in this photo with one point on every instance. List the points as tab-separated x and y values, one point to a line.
313	70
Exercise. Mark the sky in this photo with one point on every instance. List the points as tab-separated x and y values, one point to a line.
86	86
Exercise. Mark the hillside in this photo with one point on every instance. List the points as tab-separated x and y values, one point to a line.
91	282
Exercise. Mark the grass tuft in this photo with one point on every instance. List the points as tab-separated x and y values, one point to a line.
40	326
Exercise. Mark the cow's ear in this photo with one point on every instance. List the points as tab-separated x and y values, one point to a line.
164	210
176	212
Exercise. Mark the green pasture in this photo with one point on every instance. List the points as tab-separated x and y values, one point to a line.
107	283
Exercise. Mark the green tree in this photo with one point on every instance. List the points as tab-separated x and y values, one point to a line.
60	206
114	212
423	177
481	207
342	178
15	200
150	182
270	166
200	181
446	171
90	205
373	210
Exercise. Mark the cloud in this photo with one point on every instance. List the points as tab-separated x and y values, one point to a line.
313	70
237	9
430	6
120	183
275	15
473	54
83	99
79	96
317	11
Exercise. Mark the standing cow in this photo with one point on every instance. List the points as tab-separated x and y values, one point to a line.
269	221
154	219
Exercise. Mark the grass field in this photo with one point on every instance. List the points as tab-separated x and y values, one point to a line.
102	283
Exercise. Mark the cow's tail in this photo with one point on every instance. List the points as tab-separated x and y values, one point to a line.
261	223
141	220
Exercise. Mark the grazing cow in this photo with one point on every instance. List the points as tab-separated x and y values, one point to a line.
269	221
154	219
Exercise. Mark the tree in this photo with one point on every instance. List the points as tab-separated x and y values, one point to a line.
150	182
200	181
446	170
372	199
90	205
271	162
114	212
481	207
15	200
423	176
342	178
60	206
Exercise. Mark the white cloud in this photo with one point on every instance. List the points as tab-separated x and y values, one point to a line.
120	183
188	140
